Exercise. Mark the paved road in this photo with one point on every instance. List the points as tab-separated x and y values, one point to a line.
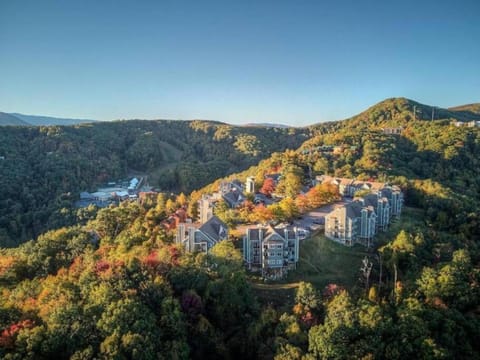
316	217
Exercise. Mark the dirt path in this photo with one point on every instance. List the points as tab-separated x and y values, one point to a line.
288	286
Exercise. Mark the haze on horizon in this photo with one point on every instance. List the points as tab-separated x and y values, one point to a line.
285	62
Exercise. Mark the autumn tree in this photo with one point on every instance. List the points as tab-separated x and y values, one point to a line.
268	187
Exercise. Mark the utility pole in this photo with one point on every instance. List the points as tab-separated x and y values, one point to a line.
433	111
414	112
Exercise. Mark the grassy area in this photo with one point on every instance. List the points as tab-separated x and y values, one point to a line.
323	261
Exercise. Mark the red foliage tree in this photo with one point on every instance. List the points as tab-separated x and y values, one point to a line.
268	187
152	260
102	266
8	335
331	290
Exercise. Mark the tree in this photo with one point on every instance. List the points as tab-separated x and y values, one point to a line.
268	187
192	210
289	208
366	270
289	352
181	199
292	184
170	206
129	330
307	296
321	166
225	254
261	214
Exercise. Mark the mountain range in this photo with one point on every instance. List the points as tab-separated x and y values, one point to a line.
389	108
17	119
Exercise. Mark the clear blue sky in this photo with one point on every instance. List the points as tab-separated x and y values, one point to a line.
295	62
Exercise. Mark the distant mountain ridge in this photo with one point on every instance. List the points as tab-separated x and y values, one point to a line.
386	112
9	119
38	120
469	108
269	125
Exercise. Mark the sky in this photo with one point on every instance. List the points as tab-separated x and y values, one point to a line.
294	62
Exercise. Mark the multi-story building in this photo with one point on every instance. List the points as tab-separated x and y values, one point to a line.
201	237
358	221
394	196
232	193
382	209
205	207
351	223
250	185
273	251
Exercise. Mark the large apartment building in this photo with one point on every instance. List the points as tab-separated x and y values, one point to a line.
273	251
359	220
351	223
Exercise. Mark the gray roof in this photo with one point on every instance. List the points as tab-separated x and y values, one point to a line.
237	183
233	197
370	200
214	228
254	234
353	209
275	177
270	230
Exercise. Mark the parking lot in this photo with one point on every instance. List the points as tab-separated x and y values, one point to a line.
315	219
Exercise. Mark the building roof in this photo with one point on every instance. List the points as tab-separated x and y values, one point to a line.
101	194
270	230
345	182
254	233
370	199
237	183
274	177
86	195
181	212
376	185
214	228
353	209
233	197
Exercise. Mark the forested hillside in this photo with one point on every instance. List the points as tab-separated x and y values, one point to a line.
474	108
400	111
114	285
43	169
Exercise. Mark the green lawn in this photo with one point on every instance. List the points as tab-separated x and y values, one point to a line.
322	261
